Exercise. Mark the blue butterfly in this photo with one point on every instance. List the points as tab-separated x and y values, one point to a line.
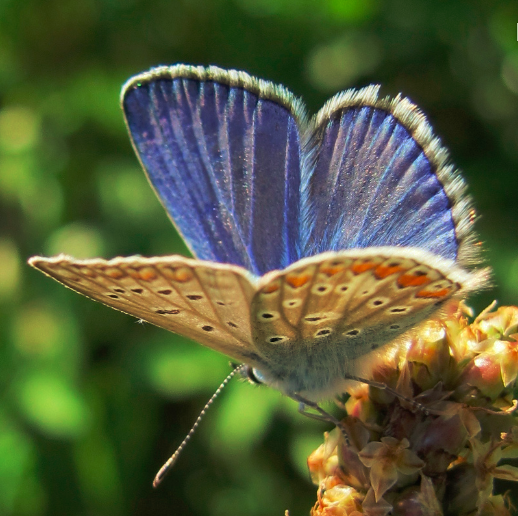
318	242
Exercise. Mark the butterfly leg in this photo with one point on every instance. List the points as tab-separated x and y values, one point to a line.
379	385
322	415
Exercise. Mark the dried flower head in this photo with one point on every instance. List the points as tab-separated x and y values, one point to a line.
438	456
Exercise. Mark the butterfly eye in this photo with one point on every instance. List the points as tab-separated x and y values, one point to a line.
255	376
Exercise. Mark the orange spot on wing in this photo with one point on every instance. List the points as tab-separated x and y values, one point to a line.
114	273
433	293
409	280
297	280
179	274
88	272
331	270
147	274
85	270
358	268
382	271
269	289
183	274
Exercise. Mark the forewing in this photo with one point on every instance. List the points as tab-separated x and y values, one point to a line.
222	151
375	175
361	299
207	302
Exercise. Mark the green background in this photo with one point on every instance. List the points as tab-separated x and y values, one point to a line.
92	402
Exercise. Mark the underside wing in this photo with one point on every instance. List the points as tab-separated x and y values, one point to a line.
222	151
358	299
207	302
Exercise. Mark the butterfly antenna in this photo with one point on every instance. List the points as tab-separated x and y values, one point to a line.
172	460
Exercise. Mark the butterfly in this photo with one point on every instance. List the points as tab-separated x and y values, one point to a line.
318	241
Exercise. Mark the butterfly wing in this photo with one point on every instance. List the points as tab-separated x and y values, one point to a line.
319	315
207	302
222	151
375	175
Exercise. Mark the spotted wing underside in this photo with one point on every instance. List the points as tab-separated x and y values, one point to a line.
359	298
204	301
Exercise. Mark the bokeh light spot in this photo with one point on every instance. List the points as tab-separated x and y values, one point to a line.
21	181
181	372
53	405
10	267
243	417
19	128
78	240
340	63
17	475
16	175
40	330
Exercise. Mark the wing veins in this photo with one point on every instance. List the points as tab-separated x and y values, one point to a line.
218	318
388	171
252	183
303	311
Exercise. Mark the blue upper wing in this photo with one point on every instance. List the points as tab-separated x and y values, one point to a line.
222	150
374	175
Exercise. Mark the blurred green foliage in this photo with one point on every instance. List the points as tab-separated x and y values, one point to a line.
92	402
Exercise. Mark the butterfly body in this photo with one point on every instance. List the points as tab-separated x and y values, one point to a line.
318	242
